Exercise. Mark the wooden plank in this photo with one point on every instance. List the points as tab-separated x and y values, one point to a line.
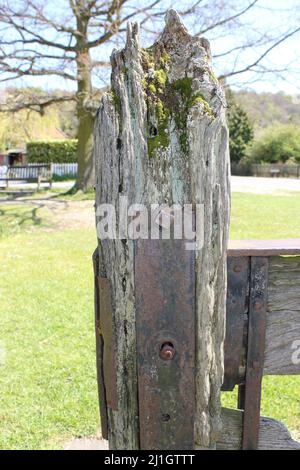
273	435
282	319
288	246
283	316
255	351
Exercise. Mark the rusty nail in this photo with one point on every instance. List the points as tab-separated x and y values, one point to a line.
237	269
167	351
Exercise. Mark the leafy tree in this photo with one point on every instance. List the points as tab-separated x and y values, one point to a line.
278	143
240	130
23	126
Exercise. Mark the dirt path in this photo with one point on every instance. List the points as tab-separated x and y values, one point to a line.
62	214
59	214
86	443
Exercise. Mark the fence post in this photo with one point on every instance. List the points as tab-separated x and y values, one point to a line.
161	138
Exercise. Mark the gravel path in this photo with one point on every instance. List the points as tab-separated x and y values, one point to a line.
248	184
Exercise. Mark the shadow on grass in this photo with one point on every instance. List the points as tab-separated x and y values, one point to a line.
56	194
15	219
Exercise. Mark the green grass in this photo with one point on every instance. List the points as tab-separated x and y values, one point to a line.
15	219
280	400
48	380
72	195
59	193
265	216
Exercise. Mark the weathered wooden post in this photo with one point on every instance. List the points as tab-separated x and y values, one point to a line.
161	138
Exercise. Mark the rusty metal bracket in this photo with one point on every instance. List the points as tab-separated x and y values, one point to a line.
250	393
105	346
245	338
165	325
238	270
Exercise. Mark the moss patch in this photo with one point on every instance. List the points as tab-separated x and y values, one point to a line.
155	68
165	100
188	99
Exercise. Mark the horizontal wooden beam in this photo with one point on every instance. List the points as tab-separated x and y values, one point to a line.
289	246
283	317
273	435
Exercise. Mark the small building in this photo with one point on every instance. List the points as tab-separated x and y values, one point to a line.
3	159
13	157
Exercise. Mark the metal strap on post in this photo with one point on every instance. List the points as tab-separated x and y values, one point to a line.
165	324
250	392
105	342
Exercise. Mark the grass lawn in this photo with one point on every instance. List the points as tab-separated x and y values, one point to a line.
15	219
265	216
48	383
47	380
66	195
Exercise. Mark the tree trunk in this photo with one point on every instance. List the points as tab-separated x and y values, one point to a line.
86	174
161	137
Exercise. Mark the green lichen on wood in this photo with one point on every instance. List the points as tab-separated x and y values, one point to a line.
166	100
115	99
147	58
159	129
188	98
160	77
154	86
161	140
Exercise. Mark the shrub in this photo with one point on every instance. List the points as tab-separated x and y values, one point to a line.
278	143
52	151
240	130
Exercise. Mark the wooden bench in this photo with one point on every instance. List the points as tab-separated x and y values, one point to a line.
38	173
275	172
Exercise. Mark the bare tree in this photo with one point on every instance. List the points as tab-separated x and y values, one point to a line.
40	38
72	40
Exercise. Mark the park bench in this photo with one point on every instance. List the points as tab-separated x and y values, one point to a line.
275	172
38	173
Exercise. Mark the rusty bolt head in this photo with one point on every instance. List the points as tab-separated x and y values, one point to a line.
237	268
165	417
167	351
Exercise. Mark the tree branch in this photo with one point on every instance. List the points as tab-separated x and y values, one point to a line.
228	19
34	103
262	56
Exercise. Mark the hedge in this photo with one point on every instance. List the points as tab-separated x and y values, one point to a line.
52	151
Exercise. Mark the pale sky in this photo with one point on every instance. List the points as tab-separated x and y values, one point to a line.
274	16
